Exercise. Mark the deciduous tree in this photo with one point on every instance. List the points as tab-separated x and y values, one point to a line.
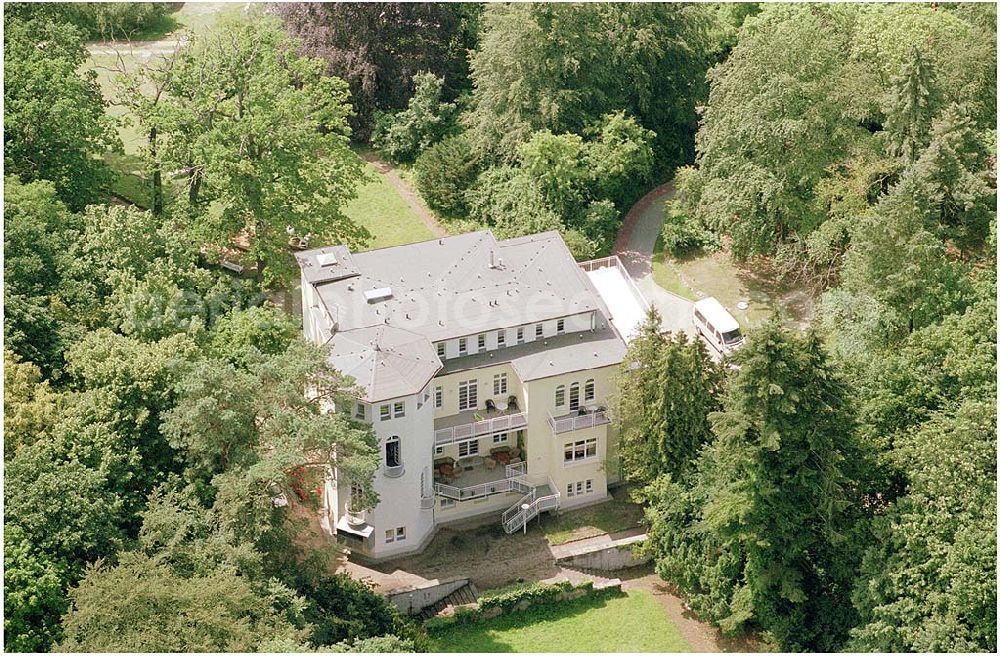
263	134
55	125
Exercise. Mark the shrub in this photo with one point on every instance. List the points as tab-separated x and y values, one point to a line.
507	599
423	123
509	200
387	644
443	174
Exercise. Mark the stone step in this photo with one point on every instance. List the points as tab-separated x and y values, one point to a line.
467	594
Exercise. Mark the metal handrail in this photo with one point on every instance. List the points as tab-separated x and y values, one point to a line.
577	422
473	429
516	508
523	516
514	482
516	469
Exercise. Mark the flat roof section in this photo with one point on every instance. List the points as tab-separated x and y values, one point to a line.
627	306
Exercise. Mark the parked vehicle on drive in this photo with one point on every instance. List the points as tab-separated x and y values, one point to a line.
717	326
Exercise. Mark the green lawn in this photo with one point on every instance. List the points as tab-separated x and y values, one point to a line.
612	516
716	274
665	275
386	215
635	622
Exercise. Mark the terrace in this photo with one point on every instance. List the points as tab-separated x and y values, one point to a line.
477	423
474	481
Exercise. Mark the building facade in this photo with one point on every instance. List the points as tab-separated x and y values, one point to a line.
485	368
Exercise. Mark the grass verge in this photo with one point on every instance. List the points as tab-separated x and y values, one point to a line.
386	215
613	516
633	622
665	275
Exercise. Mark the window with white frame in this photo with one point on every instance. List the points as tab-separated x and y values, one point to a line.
384	412
463	346
520	334
469	448
560	326
499	438
579	488
538	330
560	396
499	384
359	411
501	338
395	534
481	343
574	396
440	349
393	456
399	409
438	450
580	450
588	390
438	396
468	394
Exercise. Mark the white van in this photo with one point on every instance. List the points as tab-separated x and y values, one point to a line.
717	325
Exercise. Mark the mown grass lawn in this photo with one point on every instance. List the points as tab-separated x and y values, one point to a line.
634	622
613	516
665	275
386	215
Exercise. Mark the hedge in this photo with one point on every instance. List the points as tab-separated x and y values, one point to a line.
519	596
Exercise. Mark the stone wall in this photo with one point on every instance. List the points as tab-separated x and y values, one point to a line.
607	558
413	600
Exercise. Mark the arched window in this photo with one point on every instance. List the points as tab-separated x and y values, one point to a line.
588	390
560	396
393	457
574	396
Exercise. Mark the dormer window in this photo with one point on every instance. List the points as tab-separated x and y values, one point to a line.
481	343
440	349
501	338
538	331
560	326
463	346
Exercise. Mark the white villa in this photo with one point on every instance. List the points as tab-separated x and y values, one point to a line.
485	369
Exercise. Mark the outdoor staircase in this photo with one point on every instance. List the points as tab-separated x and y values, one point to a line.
579	574
527	508
467	594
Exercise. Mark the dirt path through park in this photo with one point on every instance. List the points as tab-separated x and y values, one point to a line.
406	192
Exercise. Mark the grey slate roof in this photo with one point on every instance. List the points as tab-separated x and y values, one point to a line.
386	362
446	288
552	356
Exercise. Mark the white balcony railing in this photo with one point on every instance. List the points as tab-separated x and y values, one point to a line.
513	482
499	424
613	261
577	422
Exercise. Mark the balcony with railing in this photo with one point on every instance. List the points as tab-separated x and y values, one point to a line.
478	482
476	423
579	419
